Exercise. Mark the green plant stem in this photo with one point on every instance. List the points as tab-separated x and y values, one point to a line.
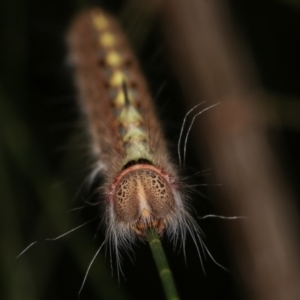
162	265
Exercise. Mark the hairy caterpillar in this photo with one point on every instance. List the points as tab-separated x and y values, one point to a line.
142	189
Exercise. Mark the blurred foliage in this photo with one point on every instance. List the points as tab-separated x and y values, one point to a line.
43	161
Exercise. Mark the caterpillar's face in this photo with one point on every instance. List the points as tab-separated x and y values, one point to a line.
143	199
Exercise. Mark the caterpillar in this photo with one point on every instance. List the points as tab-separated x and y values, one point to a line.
142	189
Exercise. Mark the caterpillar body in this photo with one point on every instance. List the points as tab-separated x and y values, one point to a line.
142	189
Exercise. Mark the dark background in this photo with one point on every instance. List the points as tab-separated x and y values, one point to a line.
44	158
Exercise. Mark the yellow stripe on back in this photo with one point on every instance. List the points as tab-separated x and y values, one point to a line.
129	120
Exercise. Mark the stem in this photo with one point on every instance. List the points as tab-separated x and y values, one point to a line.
162	265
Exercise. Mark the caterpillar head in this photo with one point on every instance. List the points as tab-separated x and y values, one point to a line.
143	198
